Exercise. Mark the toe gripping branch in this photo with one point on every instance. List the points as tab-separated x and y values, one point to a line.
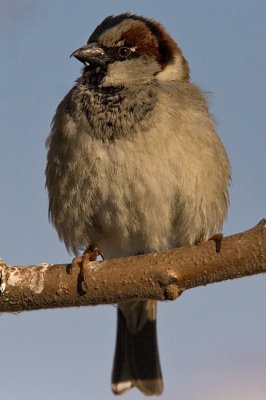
89	255
217	237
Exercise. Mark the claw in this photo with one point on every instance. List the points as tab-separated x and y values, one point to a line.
217	237
90	254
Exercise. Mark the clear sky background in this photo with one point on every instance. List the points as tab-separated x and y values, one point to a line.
213	339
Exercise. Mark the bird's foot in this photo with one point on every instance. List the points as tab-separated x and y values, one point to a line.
217	238
83	262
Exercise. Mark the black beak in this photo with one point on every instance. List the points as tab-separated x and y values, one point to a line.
90	55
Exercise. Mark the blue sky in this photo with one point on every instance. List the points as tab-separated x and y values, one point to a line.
212	340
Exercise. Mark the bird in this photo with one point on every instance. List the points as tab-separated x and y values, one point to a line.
135	166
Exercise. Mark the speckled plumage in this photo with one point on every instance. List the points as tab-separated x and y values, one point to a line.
134	162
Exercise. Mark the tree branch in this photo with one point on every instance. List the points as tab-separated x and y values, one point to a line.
159	276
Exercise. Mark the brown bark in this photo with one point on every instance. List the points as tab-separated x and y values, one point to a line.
161	276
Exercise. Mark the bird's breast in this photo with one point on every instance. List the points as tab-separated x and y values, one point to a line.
113	114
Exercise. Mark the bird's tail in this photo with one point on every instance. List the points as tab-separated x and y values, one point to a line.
136	360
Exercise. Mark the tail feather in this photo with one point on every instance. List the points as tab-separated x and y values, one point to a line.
136	361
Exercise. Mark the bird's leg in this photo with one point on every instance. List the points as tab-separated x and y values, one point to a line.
89	255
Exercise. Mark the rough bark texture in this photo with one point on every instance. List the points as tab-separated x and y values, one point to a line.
161	276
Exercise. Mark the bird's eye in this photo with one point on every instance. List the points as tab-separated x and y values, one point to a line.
124	52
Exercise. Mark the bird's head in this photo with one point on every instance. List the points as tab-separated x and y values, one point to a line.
128	49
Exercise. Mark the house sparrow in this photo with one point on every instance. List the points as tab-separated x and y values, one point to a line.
135	166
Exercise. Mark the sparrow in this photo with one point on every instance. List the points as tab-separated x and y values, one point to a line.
135	166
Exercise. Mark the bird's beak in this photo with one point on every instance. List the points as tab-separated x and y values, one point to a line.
91	55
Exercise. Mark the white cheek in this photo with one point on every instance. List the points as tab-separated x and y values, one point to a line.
117	74
173	71
130	72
